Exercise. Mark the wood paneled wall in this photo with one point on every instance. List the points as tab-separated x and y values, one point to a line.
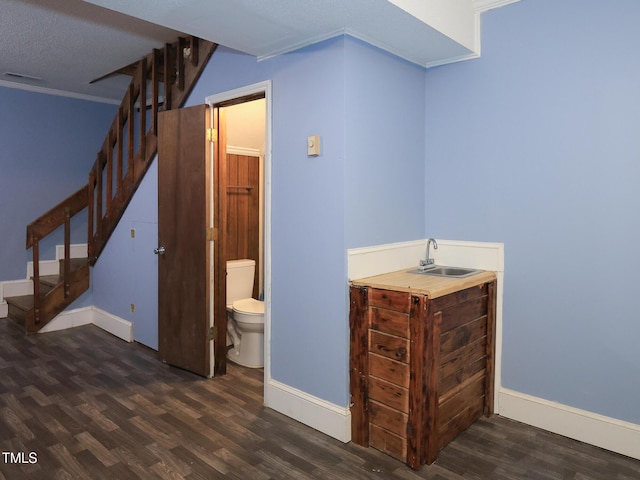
243	217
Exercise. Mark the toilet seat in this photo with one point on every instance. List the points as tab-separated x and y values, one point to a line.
251	310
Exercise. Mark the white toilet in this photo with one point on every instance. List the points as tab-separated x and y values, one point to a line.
245	315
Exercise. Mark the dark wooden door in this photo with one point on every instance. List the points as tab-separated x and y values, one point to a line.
184	259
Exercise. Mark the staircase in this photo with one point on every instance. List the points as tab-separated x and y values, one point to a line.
162	80
21	306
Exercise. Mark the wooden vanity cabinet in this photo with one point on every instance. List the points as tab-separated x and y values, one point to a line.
421	369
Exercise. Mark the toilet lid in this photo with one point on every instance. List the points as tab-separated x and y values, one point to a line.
249	306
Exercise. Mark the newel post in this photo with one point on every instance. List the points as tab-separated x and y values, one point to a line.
36	278
67	252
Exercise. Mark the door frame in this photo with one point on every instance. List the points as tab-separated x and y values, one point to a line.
221	98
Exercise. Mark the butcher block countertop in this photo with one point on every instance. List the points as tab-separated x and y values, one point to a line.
431	285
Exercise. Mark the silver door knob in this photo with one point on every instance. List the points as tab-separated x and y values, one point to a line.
159	251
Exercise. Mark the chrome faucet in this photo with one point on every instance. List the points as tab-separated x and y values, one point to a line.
428	262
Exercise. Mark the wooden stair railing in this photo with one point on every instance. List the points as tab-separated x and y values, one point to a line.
162	80
74	282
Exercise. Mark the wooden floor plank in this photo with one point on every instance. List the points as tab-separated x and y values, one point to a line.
94	407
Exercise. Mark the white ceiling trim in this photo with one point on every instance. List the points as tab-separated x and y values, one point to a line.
484	5
297	46
372	41
461	58
480	7
60	93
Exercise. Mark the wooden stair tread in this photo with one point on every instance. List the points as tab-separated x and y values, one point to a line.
75	262
57	279
50	280
23	302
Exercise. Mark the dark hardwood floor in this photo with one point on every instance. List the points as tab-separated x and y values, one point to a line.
91	406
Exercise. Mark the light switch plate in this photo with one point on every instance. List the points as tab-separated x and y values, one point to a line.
313	145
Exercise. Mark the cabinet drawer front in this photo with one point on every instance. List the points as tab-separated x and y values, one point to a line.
389	370
389	346
388	321
387	442
388	418
398	301
389	394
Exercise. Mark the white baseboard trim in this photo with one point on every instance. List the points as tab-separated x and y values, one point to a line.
324	416
15	288
69	319
604	432
47	267
116	326
76	250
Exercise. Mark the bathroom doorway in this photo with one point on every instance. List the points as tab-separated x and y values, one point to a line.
244	232
243	116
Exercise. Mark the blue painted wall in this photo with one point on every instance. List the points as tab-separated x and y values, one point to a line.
47	146
316	90
127	271
540	138
309	345
385	147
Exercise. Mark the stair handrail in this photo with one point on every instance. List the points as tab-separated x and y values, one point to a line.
162	81
46	224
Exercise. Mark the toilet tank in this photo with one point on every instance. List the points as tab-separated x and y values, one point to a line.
240	279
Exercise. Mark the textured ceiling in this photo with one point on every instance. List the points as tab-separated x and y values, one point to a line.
265	28
65	44
68	43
